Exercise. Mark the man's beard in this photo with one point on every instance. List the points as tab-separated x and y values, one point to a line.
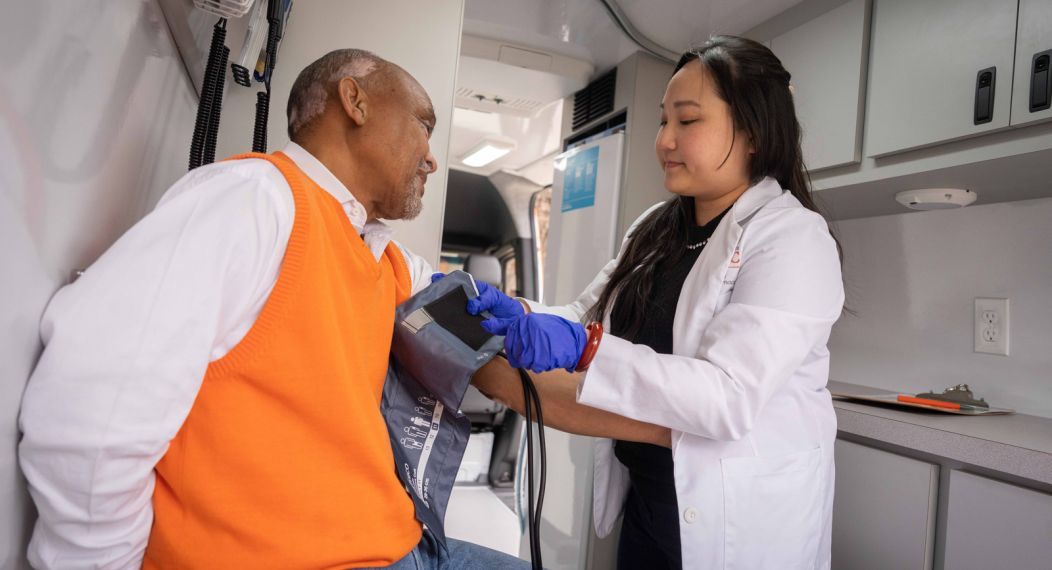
413	202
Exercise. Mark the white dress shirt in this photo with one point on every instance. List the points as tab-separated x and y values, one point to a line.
128	344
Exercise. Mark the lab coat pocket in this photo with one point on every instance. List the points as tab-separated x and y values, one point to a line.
772	508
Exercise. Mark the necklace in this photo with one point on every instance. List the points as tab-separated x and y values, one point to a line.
700	244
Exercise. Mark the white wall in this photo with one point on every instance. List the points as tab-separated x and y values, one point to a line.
422	36
912	279
96	113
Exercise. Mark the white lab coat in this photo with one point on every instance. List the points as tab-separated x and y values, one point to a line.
744	392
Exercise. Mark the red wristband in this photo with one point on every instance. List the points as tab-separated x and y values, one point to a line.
591	347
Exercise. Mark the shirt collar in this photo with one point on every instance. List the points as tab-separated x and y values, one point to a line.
754	198
323	177
376	234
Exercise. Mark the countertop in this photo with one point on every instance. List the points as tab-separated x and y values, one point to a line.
1018	445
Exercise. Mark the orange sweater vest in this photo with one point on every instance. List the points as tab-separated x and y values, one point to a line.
284	460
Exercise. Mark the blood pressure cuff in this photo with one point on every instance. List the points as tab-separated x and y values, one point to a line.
437	347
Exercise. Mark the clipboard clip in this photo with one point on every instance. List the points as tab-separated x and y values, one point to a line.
959	394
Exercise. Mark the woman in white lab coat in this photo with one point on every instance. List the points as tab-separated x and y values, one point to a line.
709	381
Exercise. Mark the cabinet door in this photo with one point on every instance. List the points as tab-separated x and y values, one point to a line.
925	58
826	58
883	510
1033	36
990	524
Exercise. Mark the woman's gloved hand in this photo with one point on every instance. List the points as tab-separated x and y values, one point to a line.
490	299
540	342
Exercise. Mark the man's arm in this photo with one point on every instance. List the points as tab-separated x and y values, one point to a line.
558	392
419	269
127	346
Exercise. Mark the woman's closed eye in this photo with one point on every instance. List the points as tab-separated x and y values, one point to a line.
683	122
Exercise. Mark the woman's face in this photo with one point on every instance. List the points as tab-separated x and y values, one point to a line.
694	143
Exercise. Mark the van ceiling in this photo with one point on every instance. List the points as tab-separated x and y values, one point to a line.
580	29
583	28
535	137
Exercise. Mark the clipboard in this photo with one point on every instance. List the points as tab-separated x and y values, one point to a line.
905	401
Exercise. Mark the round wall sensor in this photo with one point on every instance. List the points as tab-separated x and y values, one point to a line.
936	198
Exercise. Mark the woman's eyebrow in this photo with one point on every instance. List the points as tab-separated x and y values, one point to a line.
684	103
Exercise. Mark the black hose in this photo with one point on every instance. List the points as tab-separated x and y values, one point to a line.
532	407
259	133
212	133
272	35
544	459
530	505
211	92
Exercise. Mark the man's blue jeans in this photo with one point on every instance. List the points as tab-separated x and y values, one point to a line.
460	556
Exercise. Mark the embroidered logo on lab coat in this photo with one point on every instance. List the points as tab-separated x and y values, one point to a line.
731	275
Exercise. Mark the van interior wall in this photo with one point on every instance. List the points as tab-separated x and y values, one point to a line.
394	31
489	215
96	112
912	279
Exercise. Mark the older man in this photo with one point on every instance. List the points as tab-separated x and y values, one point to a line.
209	395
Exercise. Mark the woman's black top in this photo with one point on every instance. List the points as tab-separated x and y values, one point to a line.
650	531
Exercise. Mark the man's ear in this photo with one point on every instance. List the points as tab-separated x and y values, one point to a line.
353	99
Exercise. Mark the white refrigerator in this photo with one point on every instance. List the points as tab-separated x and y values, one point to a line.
581	240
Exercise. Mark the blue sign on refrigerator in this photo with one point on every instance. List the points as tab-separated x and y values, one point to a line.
579	180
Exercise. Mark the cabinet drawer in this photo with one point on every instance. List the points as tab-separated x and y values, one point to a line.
883	511
991	524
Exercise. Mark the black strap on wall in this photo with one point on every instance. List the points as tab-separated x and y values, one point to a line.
206	127
259	134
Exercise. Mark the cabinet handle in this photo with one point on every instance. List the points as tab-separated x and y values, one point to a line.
984	95
1040	82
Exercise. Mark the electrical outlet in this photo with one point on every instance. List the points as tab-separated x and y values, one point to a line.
991	326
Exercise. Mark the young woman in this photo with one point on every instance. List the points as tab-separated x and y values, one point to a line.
710	378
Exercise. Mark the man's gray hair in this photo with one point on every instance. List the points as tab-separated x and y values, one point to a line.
310	92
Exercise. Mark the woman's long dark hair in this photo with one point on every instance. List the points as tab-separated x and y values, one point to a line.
753	82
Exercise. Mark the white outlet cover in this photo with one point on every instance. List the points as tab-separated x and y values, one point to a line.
991	322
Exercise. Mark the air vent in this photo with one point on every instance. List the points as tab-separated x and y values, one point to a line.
469	98
595	100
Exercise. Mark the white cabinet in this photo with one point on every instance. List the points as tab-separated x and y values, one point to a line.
925	59
991	524
1034	36
883	511
827	58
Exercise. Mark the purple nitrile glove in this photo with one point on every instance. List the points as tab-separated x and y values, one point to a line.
496	302
490	299
540	342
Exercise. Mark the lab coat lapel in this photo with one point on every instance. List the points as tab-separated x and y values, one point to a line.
697	299
702	287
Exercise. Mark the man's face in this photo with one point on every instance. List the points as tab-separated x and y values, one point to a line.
403	135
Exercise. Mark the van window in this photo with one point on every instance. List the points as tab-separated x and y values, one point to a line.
540	215
451	261
511	280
